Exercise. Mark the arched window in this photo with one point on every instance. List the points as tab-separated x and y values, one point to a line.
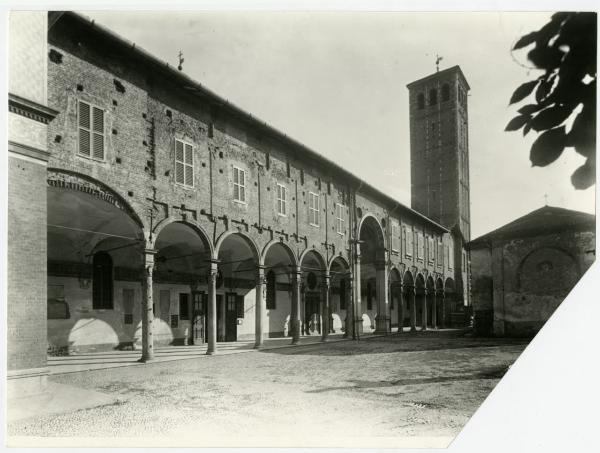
342	294
433	97
102	281
271	290
445	92
420	101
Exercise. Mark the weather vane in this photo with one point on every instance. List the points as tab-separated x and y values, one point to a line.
437	62
181	60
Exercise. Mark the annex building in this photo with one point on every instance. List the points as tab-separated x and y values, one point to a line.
145	209
523	270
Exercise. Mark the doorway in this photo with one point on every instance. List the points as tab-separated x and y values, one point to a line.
199	301
312	318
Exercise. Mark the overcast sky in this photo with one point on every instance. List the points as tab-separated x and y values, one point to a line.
337	82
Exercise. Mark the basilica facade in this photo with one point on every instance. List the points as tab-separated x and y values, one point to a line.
145	210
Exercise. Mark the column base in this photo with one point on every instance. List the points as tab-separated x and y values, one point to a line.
145	359
211	352
27	382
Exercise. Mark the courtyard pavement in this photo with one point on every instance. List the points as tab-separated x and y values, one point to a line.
413	389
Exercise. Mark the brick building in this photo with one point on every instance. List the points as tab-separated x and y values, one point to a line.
174	217
522	271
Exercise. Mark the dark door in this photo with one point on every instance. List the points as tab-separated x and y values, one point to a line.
231	317
220	318
199	334
312	320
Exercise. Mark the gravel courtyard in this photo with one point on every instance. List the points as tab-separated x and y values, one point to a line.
395	386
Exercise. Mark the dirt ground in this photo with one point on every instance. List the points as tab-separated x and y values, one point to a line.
396	386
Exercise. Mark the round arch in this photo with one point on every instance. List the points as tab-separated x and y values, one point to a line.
249	241
407	279
284	246
335	258
71	180
371	222
318	256
204	237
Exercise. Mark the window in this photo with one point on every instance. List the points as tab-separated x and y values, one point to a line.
420	101
239	185
184	306
313	209
184	163
281	200
430	250
445	92
102	281
408	241
339	218
420	246
91	130
440	252
342	294
433	97
394	236
271	290
449	257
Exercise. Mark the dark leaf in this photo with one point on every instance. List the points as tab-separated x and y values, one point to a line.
529	109
544	88
545	57
525	40
517	123
548	147
583	133
585	176
526	129
523	91
550	117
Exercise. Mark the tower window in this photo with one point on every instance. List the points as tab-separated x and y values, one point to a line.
102	281
445	92
433	97
420	101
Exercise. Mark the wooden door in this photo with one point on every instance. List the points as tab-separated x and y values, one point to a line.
231	317
199	334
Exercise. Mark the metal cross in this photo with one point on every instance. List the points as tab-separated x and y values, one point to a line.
437	62
181	60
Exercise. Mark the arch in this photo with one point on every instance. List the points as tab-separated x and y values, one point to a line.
287	248
368	219
249	241
429	283
407	279
420	280
204	237
395	275
433	96
439	284
334	258
71	180
320	259
547	277
449	286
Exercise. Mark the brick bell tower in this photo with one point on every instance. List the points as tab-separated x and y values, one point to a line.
439	154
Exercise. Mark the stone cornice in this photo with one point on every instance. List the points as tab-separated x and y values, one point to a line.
30	109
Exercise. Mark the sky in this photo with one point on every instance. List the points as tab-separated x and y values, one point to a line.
336	81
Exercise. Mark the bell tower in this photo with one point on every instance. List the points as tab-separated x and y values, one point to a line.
439	149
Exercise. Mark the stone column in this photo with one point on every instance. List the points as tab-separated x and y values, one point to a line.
434	310
259	306
147	307
382	321
325	314
413	308
211	324
400	309
358	323
349	327
424	309
443	310
296	299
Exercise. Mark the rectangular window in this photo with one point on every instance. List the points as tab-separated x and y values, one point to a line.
281	200
91	130
430	250
174	321
239	306
408	241
420	246
449	257
339	218
313	208
395	236
184	306
239	185
184	163
440	252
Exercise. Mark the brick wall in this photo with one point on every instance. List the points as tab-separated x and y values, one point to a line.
26	273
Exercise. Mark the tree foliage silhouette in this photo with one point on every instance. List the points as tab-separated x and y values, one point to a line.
563	105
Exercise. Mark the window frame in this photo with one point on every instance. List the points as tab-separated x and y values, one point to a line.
311	209
394	245
281	202
184	144
90	130
339	218
241	187
408	241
